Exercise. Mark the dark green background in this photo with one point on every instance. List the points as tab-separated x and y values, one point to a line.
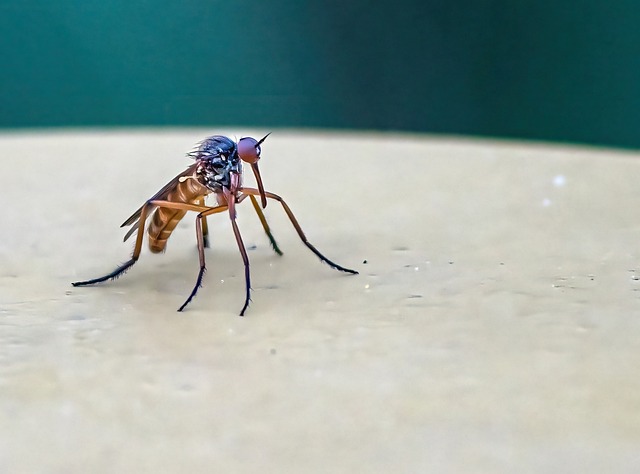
551	70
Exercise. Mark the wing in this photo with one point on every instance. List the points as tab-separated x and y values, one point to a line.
134	219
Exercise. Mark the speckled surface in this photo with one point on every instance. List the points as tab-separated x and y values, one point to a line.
494	326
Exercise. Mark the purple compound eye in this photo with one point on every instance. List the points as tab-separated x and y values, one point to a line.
249	150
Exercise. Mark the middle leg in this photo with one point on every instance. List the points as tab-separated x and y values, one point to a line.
200	236
205	227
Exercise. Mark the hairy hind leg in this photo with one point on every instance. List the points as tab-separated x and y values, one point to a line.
138	246
125	266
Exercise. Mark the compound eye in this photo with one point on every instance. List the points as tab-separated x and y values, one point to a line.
248	150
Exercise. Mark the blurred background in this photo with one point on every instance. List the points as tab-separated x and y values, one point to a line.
542	70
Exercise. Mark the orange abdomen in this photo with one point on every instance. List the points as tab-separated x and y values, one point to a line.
164	220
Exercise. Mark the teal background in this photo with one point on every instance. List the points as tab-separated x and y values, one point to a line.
550	70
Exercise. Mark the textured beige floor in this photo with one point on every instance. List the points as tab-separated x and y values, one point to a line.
494	328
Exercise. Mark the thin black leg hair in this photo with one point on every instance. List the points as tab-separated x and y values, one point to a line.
200	237
326	260
247	299
117	273
195	288
303	237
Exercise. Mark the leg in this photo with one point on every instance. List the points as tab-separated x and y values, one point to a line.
201	244
243	253
265	225
245	260
294	222
144	210
200	236
205	227
125	266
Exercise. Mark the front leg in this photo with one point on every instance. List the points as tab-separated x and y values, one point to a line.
265	225
294	222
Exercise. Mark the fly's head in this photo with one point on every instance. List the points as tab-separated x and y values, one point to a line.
249	152
218	159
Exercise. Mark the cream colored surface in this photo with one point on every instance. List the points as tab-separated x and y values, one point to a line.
494	328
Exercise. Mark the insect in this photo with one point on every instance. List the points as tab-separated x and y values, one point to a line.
217	170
